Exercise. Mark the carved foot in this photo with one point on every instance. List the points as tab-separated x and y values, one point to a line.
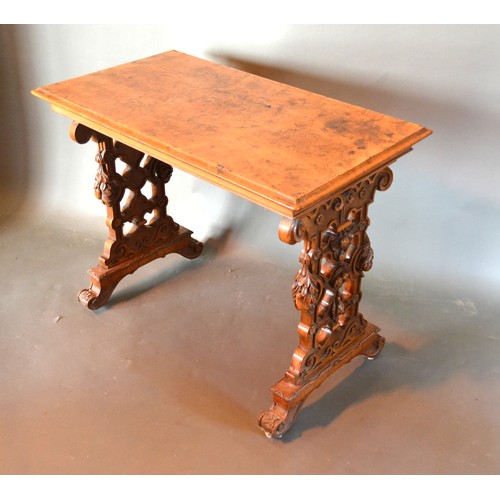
375	348
277	420
95	297
92	300
192	250
102	283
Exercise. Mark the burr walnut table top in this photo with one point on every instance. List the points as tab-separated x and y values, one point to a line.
281	147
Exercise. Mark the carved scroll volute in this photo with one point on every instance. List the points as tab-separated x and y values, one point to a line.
290	231
384	179
80	133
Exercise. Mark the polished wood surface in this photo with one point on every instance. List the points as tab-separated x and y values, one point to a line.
281	147
315	160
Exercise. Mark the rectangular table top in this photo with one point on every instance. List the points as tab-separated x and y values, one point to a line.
284	148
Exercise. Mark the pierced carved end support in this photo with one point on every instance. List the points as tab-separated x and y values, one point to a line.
139	228
327	292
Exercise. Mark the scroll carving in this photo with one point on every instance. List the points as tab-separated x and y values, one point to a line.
326	291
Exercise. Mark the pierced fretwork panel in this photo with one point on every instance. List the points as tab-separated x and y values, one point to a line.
326	290
132	187
137	219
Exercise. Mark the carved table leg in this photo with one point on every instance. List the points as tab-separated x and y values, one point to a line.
327	292
133	240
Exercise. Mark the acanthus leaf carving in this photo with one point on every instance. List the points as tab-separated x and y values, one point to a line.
306	288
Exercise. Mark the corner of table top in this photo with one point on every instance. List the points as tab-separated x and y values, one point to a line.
301	203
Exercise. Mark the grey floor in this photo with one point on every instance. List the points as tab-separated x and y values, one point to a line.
171	376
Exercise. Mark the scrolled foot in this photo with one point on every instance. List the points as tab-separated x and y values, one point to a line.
192	250
89	299
272	424
102	285
92	300
276	421
375	348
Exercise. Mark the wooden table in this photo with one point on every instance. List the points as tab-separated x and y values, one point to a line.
314	160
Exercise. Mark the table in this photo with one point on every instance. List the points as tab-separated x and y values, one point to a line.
314	160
